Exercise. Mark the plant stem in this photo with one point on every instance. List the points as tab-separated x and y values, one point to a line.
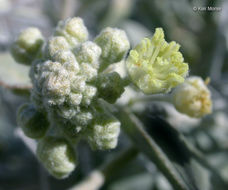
134	129
161	97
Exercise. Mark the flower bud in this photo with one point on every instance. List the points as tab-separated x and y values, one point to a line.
88	95
55	44
193	98
55	83
89	52
103	132
156	66
88	71
33	123
110	86
66	111
75	99
78	84
83	118
73	29
27	46
57	156
68	60
114	44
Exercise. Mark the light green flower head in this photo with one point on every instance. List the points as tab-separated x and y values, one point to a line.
156	66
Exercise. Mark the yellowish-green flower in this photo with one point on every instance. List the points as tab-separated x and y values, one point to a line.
193	97
156	66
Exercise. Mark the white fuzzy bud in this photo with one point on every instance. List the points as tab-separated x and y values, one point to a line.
66	111
83	118
68	60
89	52
56	84
55	44
78	84
57	156
88	94
73	29
104	132
114	44
193	98
88	71
75	99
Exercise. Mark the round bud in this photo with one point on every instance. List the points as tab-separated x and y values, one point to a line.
74	99
68	60
57	156
103	132
55	83
27	46
114	44
88	95
73	29
89	52
83	118
66	111
88	71
193	98
33	123
78	84
110	86
55	44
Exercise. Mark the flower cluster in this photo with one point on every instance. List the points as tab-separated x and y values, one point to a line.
73	89
70	91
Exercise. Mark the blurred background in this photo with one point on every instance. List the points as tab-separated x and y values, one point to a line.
203	36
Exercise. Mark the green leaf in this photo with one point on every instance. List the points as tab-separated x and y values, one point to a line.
14	76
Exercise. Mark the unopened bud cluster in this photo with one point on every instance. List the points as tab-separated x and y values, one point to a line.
69	90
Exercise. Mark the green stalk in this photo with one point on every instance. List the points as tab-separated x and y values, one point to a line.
134	129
